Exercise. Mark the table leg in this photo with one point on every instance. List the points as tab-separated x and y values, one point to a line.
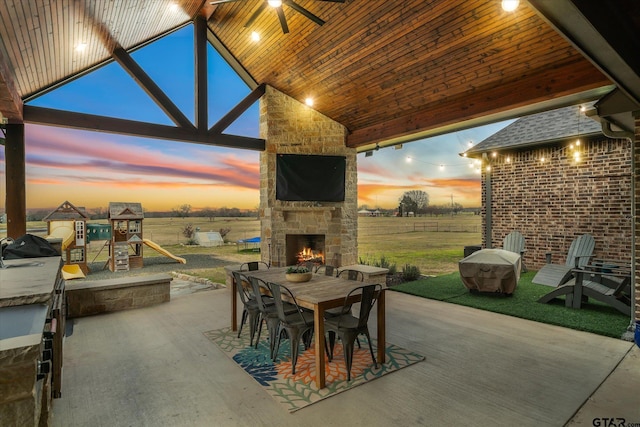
382	333
234	306
318	326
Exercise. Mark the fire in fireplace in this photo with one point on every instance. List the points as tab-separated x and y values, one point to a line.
305	248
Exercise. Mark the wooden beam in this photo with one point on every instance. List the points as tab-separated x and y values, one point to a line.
554	83
200	67
16	200
68	119
151	88
237	111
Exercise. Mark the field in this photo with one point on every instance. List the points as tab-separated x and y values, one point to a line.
433	244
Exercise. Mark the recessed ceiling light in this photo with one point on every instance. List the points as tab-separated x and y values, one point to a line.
510	5
80	47
255	36
274	3
309	102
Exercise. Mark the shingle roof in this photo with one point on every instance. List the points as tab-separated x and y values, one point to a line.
66	211
121	210
537	129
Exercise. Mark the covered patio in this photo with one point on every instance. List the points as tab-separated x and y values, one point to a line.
386	76
154	366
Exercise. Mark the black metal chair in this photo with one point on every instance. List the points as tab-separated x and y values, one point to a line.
327	270
296	325
347	327
253	265
352	275
249	303
349	275
268	313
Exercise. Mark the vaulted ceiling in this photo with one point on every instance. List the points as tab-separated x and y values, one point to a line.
390	71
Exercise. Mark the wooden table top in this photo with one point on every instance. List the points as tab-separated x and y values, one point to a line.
328	290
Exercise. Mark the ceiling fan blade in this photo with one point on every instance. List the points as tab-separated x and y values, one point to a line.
283	20
256	14
222	2
304	11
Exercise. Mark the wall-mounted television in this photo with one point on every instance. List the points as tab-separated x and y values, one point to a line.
314	178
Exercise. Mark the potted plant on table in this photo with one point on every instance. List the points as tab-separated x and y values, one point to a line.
298	274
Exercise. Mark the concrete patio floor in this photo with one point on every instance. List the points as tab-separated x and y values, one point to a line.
154	367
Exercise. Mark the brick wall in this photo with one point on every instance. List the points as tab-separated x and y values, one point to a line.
290	127
636	177
552	201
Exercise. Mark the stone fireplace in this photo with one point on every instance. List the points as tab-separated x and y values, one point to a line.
290	127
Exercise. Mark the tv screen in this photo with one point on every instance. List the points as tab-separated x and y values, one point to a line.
310	178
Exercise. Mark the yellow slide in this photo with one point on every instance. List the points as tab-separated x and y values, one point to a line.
72	271
64	230
164	252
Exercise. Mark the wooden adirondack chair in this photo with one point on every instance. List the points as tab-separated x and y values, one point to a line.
605	282
580	251
514	242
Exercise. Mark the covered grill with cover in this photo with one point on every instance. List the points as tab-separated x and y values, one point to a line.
491	270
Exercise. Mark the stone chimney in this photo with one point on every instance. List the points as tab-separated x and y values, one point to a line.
290	127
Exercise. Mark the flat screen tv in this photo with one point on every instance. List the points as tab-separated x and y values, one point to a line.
314	178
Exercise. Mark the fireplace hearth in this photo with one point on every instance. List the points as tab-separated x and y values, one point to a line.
305	248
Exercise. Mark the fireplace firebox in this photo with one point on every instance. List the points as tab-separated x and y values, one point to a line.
305	248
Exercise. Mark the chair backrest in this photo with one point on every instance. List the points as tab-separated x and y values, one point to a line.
580	251
253	265
370	294
279	291
352	275
258	285
310	265
243	287
329	270
514	242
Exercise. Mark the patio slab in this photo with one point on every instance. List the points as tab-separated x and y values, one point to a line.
153	366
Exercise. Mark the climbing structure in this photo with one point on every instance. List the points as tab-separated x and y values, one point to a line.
67	224
125	250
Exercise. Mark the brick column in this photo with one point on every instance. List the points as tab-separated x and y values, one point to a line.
636	179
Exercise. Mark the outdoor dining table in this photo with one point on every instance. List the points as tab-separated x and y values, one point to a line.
319	294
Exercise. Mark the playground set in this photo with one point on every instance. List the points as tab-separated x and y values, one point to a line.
123	236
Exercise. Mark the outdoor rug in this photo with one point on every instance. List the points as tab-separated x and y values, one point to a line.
294	392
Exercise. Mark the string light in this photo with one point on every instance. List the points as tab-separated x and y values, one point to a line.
441	166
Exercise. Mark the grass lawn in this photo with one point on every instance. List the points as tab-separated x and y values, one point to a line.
592	317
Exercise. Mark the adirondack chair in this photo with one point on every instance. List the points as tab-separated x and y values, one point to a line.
610	284
514	242
580	251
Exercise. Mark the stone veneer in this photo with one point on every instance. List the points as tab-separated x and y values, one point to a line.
290	127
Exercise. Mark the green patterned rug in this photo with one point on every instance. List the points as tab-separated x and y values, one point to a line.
294	392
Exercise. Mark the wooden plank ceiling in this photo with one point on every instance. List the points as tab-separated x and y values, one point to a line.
387	70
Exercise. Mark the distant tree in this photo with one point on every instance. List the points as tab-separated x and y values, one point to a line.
456	208
37	215
182	211
208	213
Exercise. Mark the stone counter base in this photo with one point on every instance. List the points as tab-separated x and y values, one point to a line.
88	297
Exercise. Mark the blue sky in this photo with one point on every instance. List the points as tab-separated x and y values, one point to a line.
91	169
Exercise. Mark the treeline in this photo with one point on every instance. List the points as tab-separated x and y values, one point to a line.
210	213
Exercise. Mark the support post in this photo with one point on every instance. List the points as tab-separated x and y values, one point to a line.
15	199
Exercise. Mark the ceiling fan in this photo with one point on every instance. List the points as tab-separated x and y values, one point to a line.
277	5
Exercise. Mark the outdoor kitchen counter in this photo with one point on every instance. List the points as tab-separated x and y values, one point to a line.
28	280
28	301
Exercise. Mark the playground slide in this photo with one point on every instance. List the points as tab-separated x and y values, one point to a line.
72	271
67	234
164	252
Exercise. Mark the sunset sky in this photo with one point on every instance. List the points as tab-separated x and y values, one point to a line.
91	169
